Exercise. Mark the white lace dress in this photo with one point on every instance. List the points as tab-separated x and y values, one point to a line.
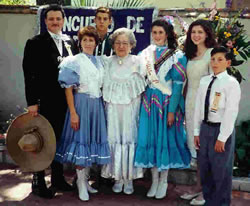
196	69
123	85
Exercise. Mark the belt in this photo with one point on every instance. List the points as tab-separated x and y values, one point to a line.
212	124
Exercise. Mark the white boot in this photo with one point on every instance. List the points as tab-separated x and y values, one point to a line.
90	189
82	185
155	180
128	187
117	188
163	185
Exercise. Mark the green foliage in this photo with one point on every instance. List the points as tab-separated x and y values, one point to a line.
15	2
242	150
111	3
67	2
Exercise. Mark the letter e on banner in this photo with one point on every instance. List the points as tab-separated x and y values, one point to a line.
139	26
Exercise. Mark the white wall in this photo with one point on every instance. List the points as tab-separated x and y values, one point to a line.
17	28
167	4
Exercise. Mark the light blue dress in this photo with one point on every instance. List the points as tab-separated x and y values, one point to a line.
159	145
89	144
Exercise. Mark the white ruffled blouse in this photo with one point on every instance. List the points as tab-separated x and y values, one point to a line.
122	82
80	72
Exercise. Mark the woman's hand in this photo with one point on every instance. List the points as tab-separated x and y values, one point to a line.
74	120
170	119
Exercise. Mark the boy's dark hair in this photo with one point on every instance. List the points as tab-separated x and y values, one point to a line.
54	7
222	49
104	10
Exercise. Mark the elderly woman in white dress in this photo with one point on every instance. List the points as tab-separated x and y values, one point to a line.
123	85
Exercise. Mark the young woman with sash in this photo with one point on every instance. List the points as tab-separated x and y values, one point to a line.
84	137
161	139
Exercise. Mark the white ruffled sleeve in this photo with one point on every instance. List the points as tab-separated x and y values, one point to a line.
69	73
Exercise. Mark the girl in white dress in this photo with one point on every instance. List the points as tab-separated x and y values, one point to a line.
123	85
199	43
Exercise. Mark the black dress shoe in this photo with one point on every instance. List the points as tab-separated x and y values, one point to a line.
43	192
39	187
62	186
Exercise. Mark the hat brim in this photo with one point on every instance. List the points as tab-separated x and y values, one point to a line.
28	161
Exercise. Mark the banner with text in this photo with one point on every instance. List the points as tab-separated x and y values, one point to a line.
139	20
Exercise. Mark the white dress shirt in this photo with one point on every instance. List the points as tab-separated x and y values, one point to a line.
58	40
223	103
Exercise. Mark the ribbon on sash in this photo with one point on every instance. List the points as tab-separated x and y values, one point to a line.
152	67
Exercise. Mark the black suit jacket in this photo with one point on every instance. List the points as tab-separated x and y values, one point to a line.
40	66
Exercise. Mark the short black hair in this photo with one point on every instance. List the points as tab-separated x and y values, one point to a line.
222	49
54	7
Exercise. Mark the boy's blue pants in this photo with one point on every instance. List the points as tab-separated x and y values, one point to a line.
215	168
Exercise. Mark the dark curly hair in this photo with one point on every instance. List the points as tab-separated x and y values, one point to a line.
169	29
190	48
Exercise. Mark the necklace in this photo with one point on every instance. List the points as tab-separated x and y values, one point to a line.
120	60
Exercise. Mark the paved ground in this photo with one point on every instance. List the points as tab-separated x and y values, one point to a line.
15	190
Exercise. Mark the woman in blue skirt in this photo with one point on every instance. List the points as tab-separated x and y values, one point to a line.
84	137
161	137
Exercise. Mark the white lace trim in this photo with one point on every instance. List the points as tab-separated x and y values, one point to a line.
163	167
123	92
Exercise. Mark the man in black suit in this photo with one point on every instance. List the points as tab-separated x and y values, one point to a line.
42	55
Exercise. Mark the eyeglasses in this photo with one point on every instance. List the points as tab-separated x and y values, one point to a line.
118	43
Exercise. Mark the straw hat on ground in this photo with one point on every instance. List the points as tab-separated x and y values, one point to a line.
31	142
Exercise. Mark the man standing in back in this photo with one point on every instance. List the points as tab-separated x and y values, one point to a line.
102	21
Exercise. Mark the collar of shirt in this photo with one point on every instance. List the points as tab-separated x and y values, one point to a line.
220	75
56	36
104	38
59	36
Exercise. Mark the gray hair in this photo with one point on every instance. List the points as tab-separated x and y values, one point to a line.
127	32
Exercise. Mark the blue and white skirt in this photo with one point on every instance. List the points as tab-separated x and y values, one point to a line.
89	144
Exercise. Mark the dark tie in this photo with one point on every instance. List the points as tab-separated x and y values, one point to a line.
207	99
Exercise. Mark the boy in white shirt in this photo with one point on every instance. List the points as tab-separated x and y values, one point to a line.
216	110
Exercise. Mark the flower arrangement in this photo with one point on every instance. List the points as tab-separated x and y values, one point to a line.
231	34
